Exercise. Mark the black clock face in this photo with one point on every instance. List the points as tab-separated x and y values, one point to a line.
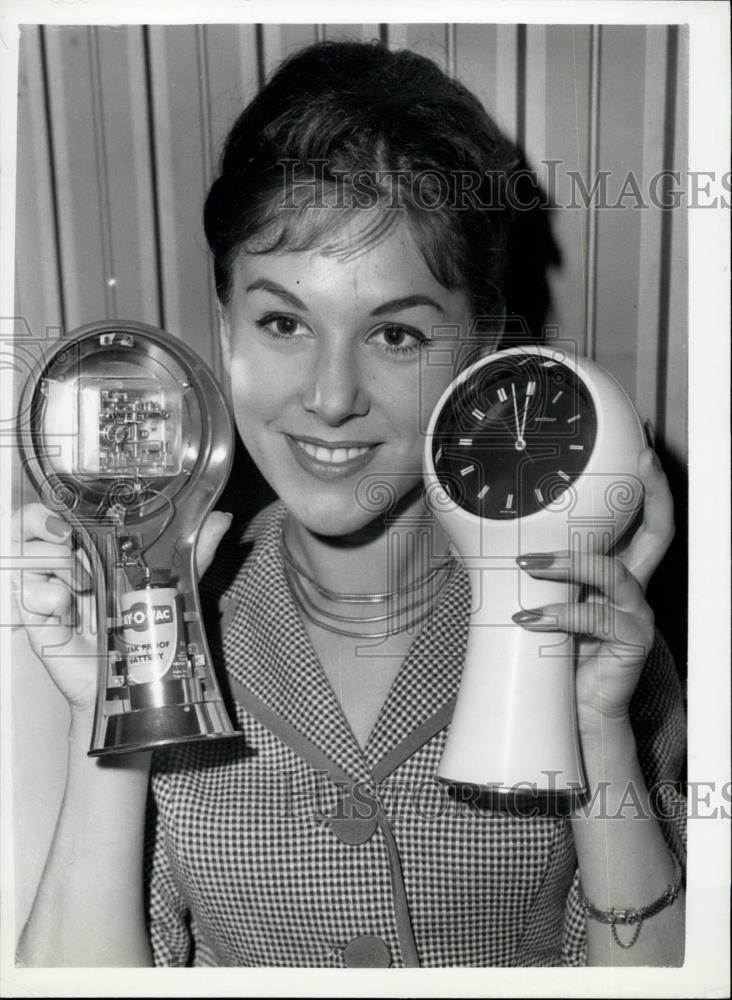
514	436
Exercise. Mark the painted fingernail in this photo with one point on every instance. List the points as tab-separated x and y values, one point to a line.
527	617
57	526
536	560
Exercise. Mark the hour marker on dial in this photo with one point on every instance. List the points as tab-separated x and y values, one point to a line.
530	388
467	470
563	475
571	420
465	442
509	500
438	456
539	497
576	447
502	395
560	393
478	414
483	491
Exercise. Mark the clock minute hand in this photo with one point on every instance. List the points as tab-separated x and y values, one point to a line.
515	413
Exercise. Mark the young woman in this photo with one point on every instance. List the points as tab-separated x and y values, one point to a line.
358	211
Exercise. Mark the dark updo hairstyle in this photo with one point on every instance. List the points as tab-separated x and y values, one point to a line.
339	114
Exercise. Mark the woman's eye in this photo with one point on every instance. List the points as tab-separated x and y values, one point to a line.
398	339
279	325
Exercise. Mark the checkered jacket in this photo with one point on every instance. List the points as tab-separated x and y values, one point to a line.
291	846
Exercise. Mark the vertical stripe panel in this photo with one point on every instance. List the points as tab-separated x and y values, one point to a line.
451	48
475	61
297	36
428	40
229	55
534	97
507	54
620	153
231	59
397	36
77	171
567	146
38	296
271	43
182	158
123	156
590	250
649	330
673	422
334	32
370	32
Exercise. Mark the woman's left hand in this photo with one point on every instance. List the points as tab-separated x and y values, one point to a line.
614	623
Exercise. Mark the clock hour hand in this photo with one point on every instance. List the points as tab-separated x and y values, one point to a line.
520	443
523	421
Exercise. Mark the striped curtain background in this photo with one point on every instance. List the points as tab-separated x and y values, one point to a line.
119	131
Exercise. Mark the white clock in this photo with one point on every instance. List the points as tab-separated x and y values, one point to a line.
529	450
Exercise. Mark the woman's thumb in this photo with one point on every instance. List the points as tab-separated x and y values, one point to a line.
212	531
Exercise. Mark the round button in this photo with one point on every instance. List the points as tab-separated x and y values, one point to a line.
349	825
367	952
353	831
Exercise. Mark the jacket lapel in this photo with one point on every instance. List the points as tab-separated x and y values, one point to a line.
429	677
269	652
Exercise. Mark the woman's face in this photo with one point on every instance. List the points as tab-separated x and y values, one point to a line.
330	385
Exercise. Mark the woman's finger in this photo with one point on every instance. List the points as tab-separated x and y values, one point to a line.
51	598
648	545
44	560
605	574
34	521
596	620
45	612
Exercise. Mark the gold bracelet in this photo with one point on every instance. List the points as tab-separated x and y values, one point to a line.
632	916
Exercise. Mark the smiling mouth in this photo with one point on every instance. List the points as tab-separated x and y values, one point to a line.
332	455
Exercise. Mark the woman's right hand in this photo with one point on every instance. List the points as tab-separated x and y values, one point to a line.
55	603
55	600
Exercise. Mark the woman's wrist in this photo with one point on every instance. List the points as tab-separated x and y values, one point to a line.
607	737
610	761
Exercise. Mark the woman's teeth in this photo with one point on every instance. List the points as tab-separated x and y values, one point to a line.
334	456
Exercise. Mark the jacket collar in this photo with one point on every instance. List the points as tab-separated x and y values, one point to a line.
268	651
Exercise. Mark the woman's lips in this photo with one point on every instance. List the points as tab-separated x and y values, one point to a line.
327	462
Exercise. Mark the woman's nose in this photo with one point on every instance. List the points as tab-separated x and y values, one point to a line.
335	389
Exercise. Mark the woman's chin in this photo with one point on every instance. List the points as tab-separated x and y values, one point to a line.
332	520
334	516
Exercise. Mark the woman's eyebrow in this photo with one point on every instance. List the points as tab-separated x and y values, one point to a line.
406	302
393	305
271	286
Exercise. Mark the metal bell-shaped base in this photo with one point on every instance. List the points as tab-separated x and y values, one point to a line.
158	725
